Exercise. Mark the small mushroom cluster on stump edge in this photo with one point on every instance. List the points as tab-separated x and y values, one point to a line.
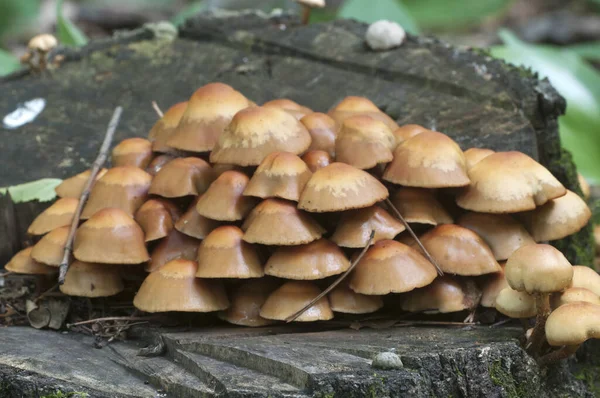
251	211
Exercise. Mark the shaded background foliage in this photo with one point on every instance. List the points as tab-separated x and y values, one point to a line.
559	39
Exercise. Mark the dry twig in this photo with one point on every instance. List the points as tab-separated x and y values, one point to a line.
102	155
113	318
335	283
157	109
412	233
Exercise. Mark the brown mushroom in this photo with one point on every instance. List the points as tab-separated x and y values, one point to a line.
92	280
475	155
491	285
428	160
246	301
174	287
323	130
256	132
355	226
316	160
558	218
364	142
391	267
110	236
279	222
193	224
182	177
307	6
164	128
407	131
586	277
352	106
157	163
420	206
585	186
73	187
445	294
58	215
223	200
51	248
123	188
175	245
339	187
281	175
345	300
293	296
23	263
293	108
315	260
460	251
572	295
156	217
531	184
132	152
208	112
223	254
514	304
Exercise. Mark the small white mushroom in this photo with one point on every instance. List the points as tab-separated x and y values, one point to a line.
384	35
307	6
42	43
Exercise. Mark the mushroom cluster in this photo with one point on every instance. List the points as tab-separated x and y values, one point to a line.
283	198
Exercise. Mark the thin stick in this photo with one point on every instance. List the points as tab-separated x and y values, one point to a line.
41	296
112	318
5	274
102	155
334	284
157	109
399	217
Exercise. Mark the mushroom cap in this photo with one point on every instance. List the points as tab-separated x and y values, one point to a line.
110	236
292	297
123	188
445	294
174	287
175	245
316	160
585	186
182	177
339	187
281	174
209	111
323	130
491	285
587	278
256	132
475	155
558	218
407	131
158	163
224	200
73	187
531	184
279	222
156	217
291	107
246	301
92	280
315	260
164	128
352	105
573	323
59	214
223	254
132	152
572	295
51	248
501	232
364	142
538	268
391	267
312	3
459	251
23	263
44	42
428	160
515	304
345	300
191	223
420	206
355	226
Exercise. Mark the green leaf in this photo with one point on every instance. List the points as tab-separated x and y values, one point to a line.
590	51
15	14
68	33
42	190
579	83
448	14
371	11
8	63
189	11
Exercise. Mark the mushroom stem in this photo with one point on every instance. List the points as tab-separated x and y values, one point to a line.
306	14
555	356
542	304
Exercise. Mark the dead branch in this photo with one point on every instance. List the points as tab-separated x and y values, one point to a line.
113	318
98	163
157	109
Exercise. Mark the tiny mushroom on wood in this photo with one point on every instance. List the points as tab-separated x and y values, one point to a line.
307	6
384	35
